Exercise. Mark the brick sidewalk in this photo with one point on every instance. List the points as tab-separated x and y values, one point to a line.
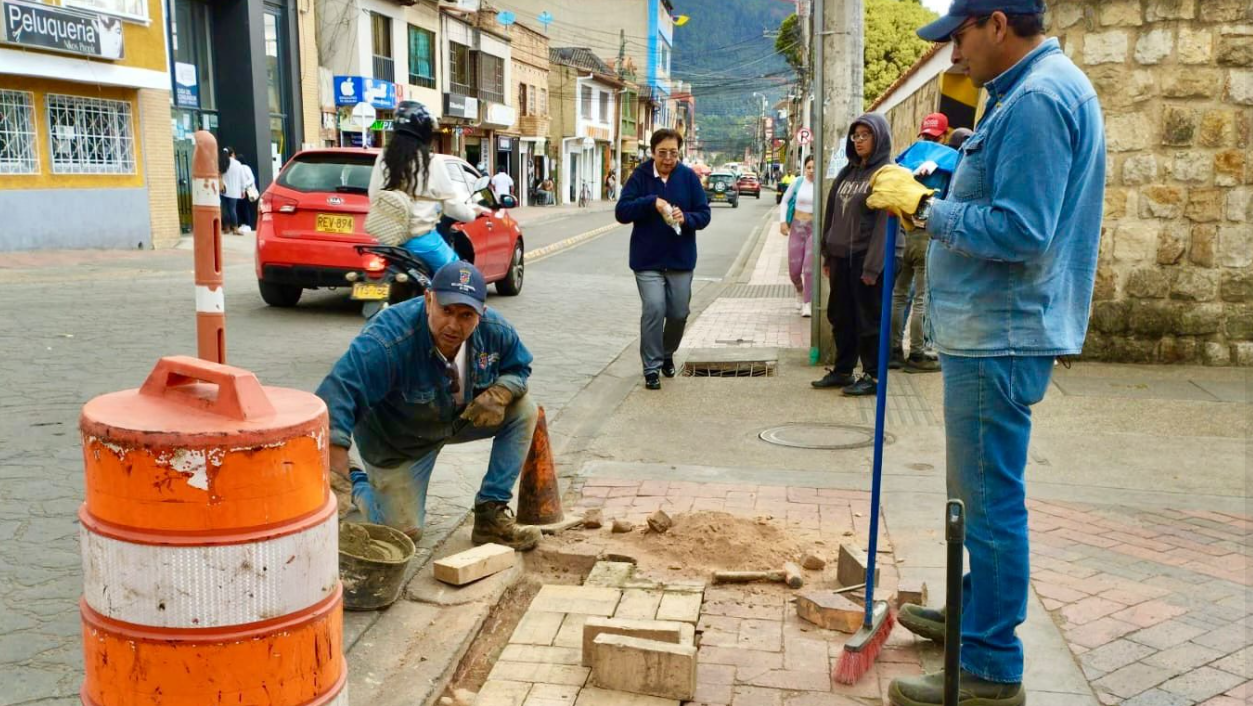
1154	603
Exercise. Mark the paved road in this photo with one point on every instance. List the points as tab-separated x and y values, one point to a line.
79	324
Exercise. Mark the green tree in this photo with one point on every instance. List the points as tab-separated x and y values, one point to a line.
791	43
891	43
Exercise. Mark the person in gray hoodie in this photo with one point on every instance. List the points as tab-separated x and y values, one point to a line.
853	249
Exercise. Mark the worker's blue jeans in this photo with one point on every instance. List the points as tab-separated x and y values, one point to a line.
987	424
396	496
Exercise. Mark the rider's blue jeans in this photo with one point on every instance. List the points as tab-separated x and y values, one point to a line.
432	249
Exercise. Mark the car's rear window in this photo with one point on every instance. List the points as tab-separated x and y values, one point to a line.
725	179
329	172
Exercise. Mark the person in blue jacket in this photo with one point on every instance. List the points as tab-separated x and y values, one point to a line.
665	203
933	164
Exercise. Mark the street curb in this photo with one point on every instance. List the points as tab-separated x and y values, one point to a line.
539	254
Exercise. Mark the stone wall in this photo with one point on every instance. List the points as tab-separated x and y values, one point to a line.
1175	79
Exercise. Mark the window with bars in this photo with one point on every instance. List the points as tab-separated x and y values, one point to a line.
462	60
531	101
381	31
90	135
522	101
491	77
18	154
421	57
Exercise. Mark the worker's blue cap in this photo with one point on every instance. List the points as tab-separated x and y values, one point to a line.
962	10
460	283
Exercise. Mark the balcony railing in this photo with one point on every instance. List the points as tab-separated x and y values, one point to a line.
463	89
384	68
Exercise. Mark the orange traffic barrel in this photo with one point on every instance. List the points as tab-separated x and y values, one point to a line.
210	544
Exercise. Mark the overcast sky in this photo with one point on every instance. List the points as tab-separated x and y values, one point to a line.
940	6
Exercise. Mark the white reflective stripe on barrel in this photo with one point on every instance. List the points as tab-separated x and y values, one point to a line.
206	192
210	301
214	586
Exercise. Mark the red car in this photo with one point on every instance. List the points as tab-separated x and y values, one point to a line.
313	216
748	184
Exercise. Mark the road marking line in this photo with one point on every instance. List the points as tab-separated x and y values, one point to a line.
548	250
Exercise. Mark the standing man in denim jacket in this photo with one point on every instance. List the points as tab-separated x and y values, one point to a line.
433	371
1011	267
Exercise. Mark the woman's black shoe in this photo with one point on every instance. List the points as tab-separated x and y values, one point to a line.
667	367
833	379
863	387
652	380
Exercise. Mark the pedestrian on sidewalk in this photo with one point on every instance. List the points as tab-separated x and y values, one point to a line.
932	163
247	216
232	189
854	250
442	369
502	183
797	225
666	205
1012	266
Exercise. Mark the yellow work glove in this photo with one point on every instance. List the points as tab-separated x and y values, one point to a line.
488	409
894	189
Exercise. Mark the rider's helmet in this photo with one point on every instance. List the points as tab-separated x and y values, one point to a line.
412	118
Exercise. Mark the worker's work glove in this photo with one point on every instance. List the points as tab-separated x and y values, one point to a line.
927	168
488	409
894	189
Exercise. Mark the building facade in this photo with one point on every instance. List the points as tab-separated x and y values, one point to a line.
585	129
477	73
85	153
530	80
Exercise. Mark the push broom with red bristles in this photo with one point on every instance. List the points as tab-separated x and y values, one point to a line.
863	648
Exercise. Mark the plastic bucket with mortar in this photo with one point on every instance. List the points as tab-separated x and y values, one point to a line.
372	561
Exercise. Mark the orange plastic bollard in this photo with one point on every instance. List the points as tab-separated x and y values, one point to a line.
206	212
539	497
210	544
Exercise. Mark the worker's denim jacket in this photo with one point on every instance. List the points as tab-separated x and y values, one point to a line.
1012	263
389	391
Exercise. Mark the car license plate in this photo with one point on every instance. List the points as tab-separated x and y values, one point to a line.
720	197
366	291
331	223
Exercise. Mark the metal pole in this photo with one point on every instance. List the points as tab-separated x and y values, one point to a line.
816	95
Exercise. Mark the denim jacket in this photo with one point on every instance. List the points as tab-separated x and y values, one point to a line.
1012	261
389	390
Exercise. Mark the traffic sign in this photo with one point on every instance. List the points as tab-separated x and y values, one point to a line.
804	136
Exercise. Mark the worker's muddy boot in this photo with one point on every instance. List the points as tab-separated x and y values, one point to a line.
923	621
494	523
929	691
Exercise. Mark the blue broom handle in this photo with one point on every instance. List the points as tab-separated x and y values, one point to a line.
880	408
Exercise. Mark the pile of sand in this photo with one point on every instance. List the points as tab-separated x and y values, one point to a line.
702	542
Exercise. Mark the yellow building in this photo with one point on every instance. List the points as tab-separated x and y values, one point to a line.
86	157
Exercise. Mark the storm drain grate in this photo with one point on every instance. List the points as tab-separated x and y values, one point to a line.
730	369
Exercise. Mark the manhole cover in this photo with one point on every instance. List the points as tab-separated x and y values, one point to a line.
822	436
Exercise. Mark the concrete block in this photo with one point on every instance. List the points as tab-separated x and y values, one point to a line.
592	696
568	674
647	667
588	600
681	606
638	604
473	564
541	654
830	610
537	628
658	630
498	692
911	591
613	574
850	570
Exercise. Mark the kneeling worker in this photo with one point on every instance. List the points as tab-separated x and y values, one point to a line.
433	371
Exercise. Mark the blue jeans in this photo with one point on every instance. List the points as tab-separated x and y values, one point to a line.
432	249
987	425
396	496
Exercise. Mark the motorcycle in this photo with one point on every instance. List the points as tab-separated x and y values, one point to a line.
396	274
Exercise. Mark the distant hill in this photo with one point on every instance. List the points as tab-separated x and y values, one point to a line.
726	51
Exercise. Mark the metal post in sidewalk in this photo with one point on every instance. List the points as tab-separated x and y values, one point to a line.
818	306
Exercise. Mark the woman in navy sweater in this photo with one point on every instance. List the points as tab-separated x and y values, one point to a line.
665	203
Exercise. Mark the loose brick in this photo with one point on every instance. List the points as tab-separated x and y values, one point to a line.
474	564
830	610
569	674
497	692
647	667
851	566
911	591
813	562
593	518
658	630
681	606
592	696
587	600
537	628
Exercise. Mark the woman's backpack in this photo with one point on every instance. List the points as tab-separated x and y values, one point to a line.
388	219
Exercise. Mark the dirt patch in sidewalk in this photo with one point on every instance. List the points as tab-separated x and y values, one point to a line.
698	544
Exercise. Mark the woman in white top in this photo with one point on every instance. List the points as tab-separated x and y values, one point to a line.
406	165
796	221
232	189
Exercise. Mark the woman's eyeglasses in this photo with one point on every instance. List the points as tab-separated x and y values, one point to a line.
860	136
668	154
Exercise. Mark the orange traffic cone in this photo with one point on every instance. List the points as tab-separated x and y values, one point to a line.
539	497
